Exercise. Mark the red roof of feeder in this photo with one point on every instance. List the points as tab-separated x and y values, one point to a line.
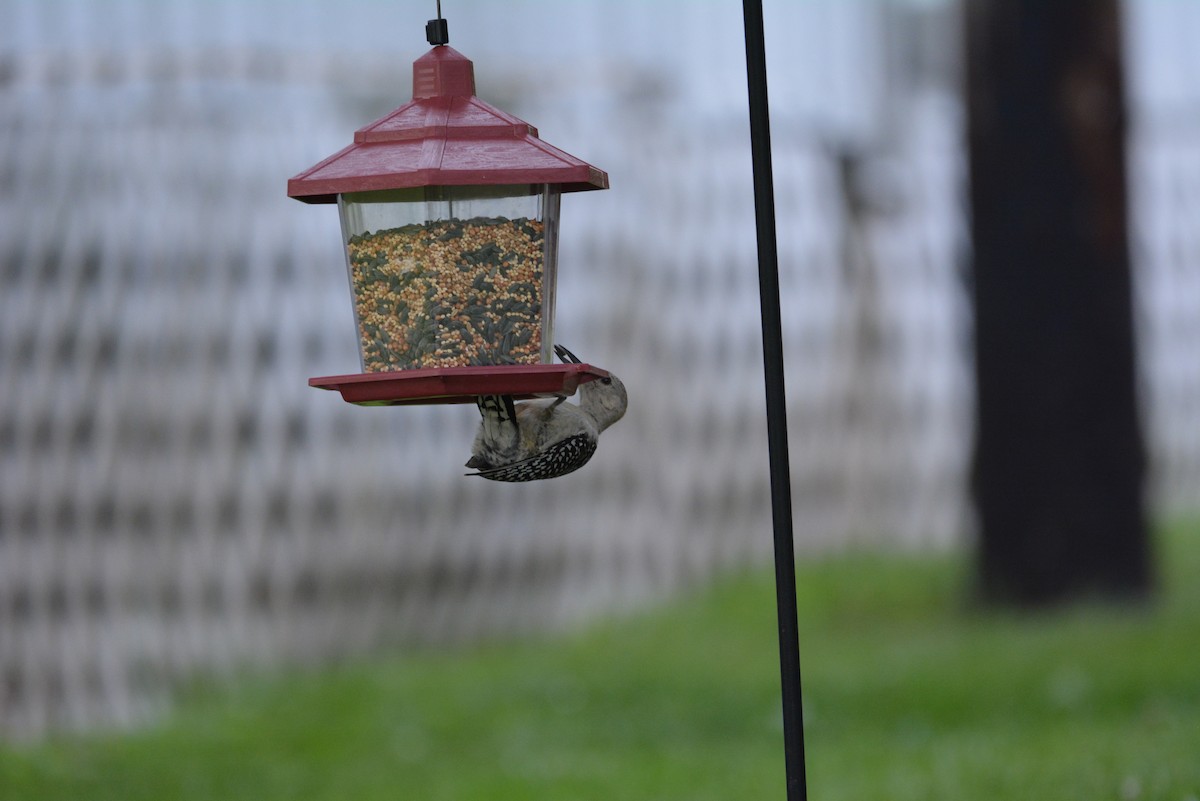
444	136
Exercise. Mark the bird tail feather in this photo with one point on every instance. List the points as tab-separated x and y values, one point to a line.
499	430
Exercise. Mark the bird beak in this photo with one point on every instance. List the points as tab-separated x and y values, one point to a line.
566	355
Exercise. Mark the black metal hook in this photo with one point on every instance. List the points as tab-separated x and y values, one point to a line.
436	31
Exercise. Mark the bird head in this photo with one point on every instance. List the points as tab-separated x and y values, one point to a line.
604	399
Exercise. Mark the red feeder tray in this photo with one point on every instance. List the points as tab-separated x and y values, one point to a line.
459	384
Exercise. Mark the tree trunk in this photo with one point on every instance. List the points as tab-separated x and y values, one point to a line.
1059	460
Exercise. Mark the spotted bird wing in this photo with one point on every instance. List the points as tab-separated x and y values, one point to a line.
565	456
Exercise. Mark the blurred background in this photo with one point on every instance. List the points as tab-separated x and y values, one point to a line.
176	501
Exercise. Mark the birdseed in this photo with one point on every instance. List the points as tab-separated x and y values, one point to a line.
449	293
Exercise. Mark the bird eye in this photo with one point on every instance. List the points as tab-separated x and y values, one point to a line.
606	380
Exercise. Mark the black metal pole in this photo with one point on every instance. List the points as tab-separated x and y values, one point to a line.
777	440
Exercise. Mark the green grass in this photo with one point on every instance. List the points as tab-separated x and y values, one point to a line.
909	694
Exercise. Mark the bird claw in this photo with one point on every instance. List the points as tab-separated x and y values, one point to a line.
566	356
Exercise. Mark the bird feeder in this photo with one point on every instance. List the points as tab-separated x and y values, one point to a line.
449	213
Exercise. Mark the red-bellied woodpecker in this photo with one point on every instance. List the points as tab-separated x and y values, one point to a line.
544	438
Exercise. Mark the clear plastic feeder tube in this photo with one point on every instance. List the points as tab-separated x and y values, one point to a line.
452	276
